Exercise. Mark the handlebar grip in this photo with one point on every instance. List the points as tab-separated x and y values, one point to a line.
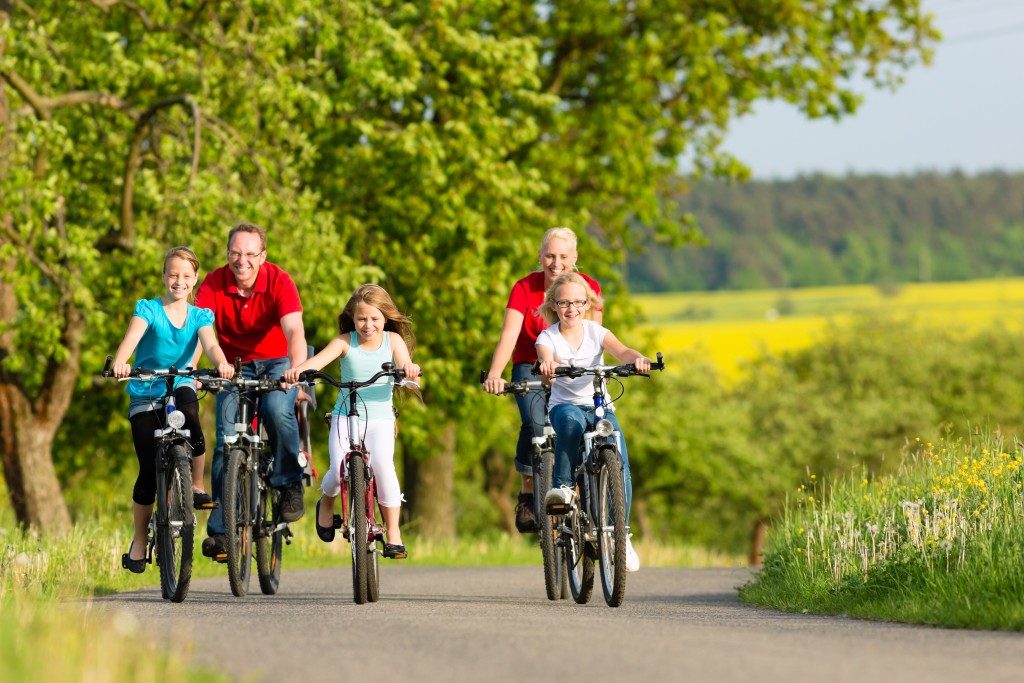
106	366
483	376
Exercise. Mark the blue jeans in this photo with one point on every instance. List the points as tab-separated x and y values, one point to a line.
531	413
570	421
277	411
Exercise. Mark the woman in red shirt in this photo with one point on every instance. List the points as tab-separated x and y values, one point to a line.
519	330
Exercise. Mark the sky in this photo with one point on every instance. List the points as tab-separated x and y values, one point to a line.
964	111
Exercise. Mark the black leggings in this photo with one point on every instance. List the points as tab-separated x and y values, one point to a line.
143	426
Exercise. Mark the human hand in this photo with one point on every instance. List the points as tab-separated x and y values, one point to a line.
494	385
411	370
225	370
290	376
642	364
121	370
547	368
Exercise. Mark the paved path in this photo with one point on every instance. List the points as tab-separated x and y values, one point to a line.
495	625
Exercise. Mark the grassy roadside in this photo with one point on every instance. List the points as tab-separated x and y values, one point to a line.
938	543
37	574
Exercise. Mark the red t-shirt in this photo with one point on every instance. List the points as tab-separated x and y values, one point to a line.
250	327
526	297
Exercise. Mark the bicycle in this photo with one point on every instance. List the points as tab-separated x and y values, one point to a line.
250	505
357	521
172	526
542	464
598	518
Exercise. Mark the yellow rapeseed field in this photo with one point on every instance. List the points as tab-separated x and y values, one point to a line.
734	327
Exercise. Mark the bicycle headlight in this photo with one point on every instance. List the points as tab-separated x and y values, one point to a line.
176	419
604	428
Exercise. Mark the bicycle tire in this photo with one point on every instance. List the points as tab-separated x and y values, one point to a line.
269	542
237	504
579	563
373	568
548	527
611	526
358	530
175	524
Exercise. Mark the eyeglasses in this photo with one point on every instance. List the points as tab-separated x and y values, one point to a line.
566	303
237	255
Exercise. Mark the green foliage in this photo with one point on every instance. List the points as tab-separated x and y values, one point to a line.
823	230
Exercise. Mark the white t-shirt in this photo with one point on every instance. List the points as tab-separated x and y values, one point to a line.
579	390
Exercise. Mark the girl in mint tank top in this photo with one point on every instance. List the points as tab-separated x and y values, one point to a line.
371	331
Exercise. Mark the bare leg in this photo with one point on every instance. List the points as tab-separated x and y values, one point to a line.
198	465
140	515
390	516
527	485
326	518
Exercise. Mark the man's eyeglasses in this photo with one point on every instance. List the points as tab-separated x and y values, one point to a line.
237	255
566	303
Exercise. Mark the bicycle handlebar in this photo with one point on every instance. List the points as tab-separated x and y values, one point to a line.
519	388
386	370
151	373
625	370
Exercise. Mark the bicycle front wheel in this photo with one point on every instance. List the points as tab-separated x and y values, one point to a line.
175	524
238	520
358	541
548	526
269	541
611	527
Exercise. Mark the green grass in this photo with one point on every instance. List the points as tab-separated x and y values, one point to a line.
941	542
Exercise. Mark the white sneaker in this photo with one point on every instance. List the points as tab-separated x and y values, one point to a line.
632	559
559	501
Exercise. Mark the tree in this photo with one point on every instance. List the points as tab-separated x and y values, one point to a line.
425	145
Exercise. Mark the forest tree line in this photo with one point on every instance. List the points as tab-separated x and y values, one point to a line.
827	230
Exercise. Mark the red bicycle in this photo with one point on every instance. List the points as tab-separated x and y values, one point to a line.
358	520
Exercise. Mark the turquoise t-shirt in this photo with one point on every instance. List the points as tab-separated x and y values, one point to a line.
163	345
373	402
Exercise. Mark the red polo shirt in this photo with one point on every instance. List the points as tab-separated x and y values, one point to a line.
249	327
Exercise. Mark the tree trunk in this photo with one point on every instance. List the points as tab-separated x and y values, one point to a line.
757	538
498	483
28	464
434	502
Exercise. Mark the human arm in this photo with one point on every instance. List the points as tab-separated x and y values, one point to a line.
335	348
546	358
511	326
403	359
295	334
624	354
133	335
208	340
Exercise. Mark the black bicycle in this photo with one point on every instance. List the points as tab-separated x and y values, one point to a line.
595	526
251	506
358	519
542	464
172	526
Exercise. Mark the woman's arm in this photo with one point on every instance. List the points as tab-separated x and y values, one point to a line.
136	328
510	328
335	348
625	354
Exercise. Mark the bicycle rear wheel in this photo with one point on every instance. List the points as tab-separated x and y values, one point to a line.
611	527
175	524
238	520
269	542
357	532
548	527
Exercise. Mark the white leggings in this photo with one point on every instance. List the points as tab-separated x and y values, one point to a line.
380	442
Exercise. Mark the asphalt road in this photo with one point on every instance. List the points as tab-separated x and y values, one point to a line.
495	624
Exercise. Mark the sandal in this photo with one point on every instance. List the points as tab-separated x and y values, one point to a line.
201	500
395	551
134	566
326	533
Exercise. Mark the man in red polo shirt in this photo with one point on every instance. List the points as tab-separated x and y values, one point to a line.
259	320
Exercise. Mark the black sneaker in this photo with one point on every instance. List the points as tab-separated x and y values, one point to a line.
526	520
215	547
201	500
292	506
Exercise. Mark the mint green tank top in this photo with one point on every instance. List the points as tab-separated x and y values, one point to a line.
373	402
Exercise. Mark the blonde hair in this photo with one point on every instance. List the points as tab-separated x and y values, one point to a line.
559	232
549	310
185	254
378	297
